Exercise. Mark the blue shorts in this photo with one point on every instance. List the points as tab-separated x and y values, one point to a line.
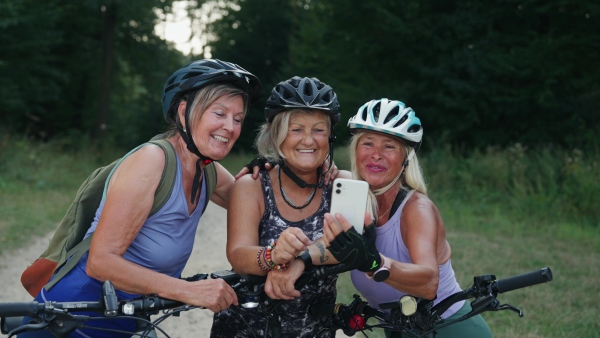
77	286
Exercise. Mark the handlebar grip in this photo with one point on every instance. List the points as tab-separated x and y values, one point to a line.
327	270
319	272
542	275
165	304
366	309
19	309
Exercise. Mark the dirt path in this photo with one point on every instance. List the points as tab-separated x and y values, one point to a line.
208	256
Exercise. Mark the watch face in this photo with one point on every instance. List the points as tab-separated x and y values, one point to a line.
381	275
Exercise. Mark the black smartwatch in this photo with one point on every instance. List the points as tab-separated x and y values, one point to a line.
383	272
305	257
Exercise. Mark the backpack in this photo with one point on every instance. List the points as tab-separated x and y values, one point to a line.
67	245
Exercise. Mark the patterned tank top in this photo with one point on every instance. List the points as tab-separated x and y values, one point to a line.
293	314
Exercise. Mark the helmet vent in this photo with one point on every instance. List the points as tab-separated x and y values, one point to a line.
307	90
393	113
376	110
402	120
363	114
287	95
414	128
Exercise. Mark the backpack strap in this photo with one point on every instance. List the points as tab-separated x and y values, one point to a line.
161	196
167	181
73	257
211	182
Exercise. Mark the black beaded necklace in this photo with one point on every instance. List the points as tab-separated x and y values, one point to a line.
288	201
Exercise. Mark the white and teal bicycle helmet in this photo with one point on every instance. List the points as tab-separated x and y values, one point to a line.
389	117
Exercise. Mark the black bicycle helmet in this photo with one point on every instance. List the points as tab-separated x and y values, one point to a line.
303	92
198	74
191	78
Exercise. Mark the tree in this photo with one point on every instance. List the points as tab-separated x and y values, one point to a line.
253	34
477	74
51	68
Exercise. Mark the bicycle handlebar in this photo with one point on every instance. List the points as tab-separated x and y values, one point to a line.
426	318
350	318
244	285
31	309
524	280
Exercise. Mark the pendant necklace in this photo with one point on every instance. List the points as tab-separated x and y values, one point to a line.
287	200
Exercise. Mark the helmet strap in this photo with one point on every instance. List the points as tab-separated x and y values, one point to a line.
331	142
300	182
186	135
196	184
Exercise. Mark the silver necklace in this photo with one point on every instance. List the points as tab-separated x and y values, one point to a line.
287	200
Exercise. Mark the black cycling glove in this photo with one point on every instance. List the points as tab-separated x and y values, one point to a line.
356	251
257	162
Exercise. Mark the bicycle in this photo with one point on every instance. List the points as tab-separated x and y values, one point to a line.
413	317
410	316
61	318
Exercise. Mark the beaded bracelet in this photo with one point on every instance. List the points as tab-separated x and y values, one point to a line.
259	259
268	249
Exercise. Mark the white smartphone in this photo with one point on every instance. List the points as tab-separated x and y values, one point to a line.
349	198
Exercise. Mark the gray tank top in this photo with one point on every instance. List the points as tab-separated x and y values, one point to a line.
165	241
390	243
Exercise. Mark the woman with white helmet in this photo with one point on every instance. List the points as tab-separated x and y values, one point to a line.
410	235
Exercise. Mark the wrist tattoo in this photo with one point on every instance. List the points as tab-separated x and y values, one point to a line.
323	258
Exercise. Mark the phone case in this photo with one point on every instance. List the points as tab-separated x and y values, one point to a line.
349	198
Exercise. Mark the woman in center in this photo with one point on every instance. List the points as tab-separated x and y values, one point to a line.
275	223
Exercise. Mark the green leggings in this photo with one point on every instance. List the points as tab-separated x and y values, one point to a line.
474	327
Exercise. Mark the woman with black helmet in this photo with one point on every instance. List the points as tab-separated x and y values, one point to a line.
414	255
274	223
205	101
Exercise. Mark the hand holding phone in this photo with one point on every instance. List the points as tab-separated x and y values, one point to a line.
349	198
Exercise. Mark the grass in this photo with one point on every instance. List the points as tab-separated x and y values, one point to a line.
37	183
507	211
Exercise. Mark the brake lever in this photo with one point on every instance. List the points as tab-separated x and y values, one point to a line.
511	308
489	302
28	327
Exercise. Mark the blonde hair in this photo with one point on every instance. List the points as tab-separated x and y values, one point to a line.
271	135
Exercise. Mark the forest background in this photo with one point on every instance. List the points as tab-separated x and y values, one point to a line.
508	93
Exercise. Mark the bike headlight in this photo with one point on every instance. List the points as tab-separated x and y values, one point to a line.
128	309
250	301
